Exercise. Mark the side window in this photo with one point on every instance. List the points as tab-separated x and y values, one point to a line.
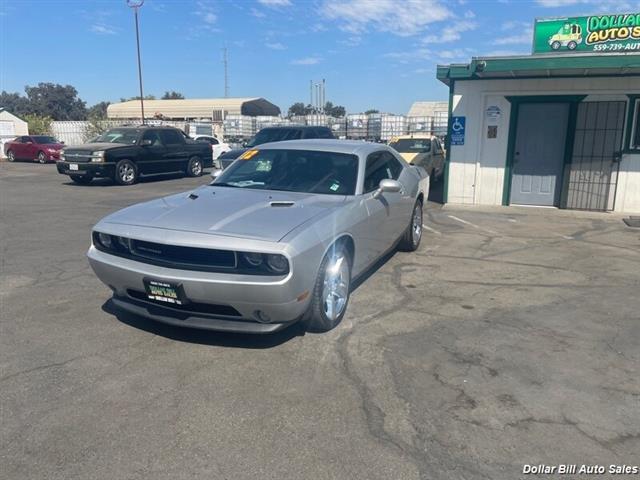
323	133
379	166
171	137
437	148
213	141
25	139
153	136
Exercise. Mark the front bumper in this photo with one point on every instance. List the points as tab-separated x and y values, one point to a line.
96	170
275	297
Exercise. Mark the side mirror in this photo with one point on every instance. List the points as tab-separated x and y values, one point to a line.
216	173
388	185
146	143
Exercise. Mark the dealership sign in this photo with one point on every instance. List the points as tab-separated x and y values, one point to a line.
597	33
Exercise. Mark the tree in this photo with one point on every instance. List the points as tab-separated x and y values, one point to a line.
172	95
60	102
296	109
14	103
98	111
38	125
373	110
146	97
334	110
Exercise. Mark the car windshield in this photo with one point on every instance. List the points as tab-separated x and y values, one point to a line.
119	135
274	135
412	145
293	171
44	139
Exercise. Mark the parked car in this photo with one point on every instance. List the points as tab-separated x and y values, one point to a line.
217	147
278	237
126	153
276	134
423	150
39	148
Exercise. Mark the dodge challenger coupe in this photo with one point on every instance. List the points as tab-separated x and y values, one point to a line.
276	238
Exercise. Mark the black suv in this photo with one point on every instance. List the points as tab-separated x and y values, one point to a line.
125	153
275	134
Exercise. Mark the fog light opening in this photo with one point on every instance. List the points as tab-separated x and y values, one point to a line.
261	316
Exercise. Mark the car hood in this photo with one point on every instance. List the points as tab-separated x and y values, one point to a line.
95	146
228	211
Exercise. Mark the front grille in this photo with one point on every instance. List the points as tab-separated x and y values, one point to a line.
78	156
189	258
188	308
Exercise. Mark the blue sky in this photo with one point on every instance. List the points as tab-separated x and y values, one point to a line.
373	53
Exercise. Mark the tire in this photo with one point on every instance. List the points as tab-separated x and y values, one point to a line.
41	158
126	173
324	315
11	156
81	179
410	240
194	167
572	45
556	45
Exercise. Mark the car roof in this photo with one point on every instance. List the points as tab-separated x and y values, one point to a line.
413	135
353	147
295	127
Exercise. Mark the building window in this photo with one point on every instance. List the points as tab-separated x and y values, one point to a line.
635	132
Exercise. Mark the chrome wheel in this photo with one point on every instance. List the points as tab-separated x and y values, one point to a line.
126	173
335	290
42	158
416	224
196	168
11	156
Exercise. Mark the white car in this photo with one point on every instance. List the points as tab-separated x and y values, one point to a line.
217	147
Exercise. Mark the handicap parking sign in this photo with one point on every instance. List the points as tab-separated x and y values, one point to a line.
458	125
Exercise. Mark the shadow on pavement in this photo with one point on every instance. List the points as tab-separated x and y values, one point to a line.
205	337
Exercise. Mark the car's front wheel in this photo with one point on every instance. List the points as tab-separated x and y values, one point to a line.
11	156
41	158
126	173
194	168
410	241
330	295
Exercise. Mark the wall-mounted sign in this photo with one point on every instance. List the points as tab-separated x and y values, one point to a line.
493	114
597	33
458	126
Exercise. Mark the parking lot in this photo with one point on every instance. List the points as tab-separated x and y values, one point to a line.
509	338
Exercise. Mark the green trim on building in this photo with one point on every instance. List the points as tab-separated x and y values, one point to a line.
515	102
633	99
548	66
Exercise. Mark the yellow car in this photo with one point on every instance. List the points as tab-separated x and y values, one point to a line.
570	36
423	150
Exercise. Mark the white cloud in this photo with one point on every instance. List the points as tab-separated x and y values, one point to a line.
513	24
306	61
206	13
599	5
275	46
448	35
257	13
352	41
275	3
504	53
102	29
409	56
410	18
469	14
524	38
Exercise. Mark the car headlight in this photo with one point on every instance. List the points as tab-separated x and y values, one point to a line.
277	263
51	150
97	156
62	157
253	259
105	240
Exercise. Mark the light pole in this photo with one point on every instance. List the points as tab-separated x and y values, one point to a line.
135	5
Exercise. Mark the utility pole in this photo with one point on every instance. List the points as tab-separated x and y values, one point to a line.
225	61
135	5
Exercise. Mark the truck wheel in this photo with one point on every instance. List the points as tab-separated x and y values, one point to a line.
11	156
330	295
41	158
81	179
413	234
126	173
555	45
194	167
572	45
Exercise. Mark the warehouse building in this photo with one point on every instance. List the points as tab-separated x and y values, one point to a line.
559	128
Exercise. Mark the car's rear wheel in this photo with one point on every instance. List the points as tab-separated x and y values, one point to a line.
556	45
81	179
413	234
194	167
331	292
126	173
572	45
11	156
41	158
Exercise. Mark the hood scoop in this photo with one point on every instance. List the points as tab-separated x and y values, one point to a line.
282	203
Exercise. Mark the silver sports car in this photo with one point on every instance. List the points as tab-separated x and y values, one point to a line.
277	237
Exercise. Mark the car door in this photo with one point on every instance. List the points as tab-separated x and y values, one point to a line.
177	154
438	157
23	149
152	157
386	217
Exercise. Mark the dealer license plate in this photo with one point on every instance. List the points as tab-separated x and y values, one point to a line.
73	166
163	292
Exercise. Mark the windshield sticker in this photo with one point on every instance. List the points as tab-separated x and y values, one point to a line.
334	186
263	166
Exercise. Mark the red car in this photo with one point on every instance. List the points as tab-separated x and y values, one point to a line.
40	148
